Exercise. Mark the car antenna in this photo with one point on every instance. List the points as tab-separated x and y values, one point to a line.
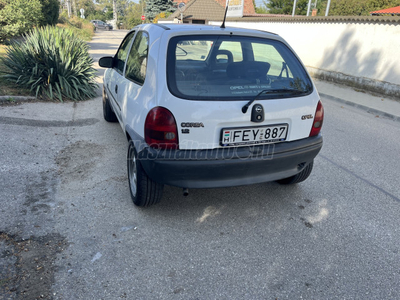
226	10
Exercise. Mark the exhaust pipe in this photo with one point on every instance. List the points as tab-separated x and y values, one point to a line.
185	192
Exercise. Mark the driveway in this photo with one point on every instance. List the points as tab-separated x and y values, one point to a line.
69	230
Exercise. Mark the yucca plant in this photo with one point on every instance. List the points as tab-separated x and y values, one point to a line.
53	63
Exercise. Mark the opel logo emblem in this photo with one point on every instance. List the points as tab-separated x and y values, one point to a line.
258	108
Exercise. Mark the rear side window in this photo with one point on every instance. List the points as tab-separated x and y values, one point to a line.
120	57
268	53
220	67
235	48
192	49
137	61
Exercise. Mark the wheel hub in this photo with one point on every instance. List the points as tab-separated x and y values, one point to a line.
132	172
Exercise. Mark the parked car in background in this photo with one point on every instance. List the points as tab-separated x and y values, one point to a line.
204	107
100	25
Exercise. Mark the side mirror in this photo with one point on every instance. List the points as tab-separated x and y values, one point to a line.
106	62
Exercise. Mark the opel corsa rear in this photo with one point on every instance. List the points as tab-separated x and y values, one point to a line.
206	107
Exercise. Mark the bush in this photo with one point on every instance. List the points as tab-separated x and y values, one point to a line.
18	16
98	15
76	22
82	28
53	63
63	18
50	11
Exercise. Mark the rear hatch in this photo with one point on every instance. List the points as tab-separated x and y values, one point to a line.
229	91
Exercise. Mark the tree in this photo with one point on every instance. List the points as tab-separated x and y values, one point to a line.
259	10
382	4
359	7
134	14
154	7
278	7
50	12
87	5
285	7
122	6
19	16
161	15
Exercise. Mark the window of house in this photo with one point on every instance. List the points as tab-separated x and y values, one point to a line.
198	22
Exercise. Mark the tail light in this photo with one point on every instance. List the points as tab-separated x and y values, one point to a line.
318	120
160	129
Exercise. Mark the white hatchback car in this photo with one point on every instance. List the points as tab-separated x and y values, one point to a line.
204	106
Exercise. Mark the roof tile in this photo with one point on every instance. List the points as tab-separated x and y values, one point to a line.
201	10
389	11
208	9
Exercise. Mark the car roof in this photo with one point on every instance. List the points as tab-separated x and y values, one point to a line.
207	29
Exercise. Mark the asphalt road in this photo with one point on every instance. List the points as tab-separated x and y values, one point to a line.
68	229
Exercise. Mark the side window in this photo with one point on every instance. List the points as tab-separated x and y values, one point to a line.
193	49
268	53
137	59
235	48
122	53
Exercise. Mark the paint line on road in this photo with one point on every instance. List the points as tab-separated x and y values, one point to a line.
361	178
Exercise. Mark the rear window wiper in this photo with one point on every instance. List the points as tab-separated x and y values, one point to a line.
272	91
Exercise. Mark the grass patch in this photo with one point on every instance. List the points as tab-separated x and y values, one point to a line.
82	33
81	28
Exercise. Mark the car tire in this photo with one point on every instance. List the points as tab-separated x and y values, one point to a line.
144	191
303	175
108	113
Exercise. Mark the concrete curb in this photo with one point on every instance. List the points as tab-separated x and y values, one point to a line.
11	99
363	107
370	85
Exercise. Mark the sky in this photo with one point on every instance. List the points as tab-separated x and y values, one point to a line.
259	3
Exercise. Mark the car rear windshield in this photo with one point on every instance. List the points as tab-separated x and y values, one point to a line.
222	67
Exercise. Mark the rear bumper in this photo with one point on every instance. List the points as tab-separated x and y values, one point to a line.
229	166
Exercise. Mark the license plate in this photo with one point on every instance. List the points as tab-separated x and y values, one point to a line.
254	135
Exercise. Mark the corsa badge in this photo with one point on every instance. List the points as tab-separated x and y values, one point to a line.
192	124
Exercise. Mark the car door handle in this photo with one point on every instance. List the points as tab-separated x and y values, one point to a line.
116	89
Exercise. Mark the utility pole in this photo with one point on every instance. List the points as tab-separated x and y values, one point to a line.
327	8
294	8
115	12
308	9
142	2
74	7
69	8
